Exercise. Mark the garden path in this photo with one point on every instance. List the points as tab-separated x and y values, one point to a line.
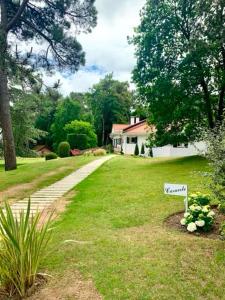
45	197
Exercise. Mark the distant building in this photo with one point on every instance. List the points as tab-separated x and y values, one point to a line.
126	136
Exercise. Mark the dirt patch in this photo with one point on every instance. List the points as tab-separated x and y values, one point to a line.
173	221
19	191
57	208
70	286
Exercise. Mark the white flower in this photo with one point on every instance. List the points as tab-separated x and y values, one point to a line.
183	221
200	223
192	207
205	209
186	215
191	227
211	214
198	207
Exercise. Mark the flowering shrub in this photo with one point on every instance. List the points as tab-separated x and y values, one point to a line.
199	198
198	218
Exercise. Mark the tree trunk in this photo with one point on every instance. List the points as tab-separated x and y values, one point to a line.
208	104
6	124
5	117
221	105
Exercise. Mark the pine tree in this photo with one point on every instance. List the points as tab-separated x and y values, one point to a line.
136	150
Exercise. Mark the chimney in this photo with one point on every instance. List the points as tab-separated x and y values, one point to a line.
134	120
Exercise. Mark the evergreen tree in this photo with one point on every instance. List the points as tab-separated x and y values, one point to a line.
136	150
52	24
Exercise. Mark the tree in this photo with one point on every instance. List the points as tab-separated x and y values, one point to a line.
67	110
85	128
110	102
136	150
24	112
51	23
180	71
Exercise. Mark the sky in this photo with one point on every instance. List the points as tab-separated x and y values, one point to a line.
106	47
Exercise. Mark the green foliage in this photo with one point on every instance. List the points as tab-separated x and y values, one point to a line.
64	149
222	231
77	141
99	152
216	156
136	150
51	156
180	70
198	218
222	207
24	112
199	199
67	110
23	245
142	149
83	128
110	101
109	148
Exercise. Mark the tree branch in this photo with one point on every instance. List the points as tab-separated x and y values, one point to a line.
21	9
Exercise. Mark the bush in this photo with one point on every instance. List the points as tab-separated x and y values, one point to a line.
64	149
99	152
199	199
142	149
23	245
222	231
222	207
88	153
198	218
77	141
51	156
136	150
81	127
109	148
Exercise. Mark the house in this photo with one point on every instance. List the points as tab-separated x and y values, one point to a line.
126	136
41	150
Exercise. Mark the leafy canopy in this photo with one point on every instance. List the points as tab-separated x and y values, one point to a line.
180	70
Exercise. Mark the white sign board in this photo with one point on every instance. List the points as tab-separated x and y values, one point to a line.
176	189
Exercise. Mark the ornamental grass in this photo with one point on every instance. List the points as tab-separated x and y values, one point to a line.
23	244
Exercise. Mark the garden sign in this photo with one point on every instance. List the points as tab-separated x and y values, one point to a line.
177	190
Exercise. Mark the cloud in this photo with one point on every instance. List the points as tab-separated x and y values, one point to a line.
107	49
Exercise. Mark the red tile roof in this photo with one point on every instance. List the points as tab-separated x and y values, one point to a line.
119	127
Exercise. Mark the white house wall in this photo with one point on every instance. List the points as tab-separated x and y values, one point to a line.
129	148
169	150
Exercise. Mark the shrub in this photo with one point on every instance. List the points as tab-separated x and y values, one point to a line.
81	127
99	152
109	148
222	230
88	153
64	149
136	150
142	149
50	156
23	245
199	199
77	141
198	218
222	207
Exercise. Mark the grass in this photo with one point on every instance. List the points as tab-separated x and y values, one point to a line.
119	210
35	173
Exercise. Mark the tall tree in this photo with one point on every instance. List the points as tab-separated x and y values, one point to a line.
111	102
180	71
52	24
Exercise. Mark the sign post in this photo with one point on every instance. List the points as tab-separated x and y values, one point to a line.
177	190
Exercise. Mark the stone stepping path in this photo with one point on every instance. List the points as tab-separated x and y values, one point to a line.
45	197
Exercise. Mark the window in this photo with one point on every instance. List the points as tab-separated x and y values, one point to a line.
132	140
180	145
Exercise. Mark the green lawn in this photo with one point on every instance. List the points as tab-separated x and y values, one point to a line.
120	211
35	173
